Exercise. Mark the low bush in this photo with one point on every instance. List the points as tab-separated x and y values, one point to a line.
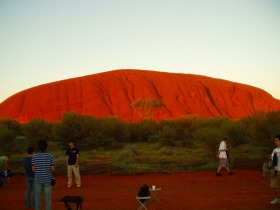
166	151
127	156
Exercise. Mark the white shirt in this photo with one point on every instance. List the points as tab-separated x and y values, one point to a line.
223	146
277	150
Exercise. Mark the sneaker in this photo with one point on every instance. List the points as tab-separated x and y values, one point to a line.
69	186
275	201
230	173
218	174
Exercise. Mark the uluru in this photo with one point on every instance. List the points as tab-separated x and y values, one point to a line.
134	95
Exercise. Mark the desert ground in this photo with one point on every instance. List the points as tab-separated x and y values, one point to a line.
188	190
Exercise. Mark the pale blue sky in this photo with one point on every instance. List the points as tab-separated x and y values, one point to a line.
51	40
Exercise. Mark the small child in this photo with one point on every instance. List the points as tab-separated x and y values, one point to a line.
5	174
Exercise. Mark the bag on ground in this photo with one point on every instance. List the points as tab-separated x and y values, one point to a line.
144	192
72	199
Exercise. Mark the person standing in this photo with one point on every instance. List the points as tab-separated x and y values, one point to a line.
27	164
43	166
72	164
275	181
5	174
223	156
4	161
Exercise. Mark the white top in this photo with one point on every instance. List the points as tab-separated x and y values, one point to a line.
277	150
223	146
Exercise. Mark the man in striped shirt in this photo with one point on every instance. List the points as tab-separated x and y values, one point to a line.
43	165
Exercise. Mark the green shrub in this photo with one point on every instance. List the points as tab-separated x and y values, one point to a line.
167	136
207	139
153	138
89	132
147	107
166	151
6	139
147	128
126	156
133	148
12	125
37	129
12	139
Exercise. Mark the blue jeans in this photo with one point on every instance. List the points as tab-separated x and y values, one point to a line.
39	188
29	196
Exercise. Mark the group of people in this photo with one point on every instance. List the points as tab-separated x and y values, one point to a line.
39	168
223	155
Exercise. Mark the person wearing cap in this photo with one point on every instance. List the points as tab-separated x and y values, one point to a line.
223	156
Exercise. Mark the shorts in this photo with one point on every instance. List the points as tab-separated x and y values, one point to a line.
224	162
275	181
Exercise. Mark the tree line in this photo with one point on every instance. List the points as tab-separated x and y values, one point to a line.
94	133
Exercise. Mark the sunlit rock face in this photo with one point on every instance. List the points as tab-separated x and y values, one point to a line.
135	95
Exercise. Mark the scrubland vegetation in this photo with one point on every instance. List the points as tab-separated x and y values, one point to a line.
110	145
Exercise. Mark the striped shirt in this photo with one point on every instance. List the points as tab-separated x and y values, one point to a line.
42	162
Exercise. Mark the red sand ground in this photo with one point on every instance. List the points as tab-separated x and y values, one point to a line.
192	190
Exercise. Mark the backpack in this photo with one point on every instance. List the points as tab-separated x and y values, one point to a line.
268	169
53	181
72	199
1	182
144	192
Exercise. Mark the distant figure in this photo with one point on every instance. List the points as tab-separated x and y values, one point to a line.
5	173
72	164
4	160
27	164
275	181
223	155
43	165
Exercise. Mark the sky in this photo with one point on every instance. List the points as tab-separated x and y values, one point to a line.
47	41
